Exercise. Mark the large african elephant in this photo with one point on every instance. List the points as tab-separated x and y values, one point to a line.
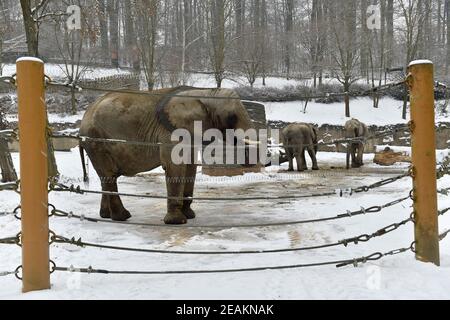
298	138
355	129
152	118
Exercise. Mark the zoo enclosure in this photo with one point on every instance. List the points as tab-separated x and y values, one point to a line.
34	208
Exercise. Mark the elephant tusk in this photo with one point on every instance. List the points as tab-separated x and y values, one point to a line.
251	142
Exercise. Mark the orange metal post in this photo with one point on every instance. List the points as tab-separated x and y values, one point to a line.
33	174
423	139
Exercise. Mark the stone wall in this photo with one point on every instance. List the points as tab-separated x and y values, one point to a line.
401	138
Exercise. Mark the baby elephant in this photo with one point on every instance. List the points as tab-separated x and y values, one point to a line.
297	138
355	129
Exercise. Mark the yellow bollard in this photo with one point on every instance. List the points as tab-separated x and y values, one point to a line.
423	143
33	174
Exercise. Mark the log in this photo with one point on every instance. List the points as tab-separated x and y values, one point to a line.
388	157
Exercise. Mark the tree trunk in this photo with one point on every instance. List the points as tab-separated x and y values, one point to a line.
289	25
6	164
447	60
218	39
103	25
31	28
405	103
113	10
130	36
365	40
390	33
347	97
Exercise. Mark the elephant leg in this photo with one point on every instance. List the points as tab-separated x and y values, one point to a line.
299	158
354	158
290	157
360	154
348	156
312	154
304	165
105	213
111	206
175	174
117	211
191	171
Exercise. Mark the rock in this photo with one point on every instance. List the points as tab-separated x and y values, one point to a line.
388	157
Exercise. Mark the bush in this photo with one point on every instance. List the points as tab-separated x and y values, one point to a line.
301	92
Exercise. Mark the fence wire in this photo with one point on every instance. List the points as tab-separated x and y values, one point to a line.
345	242
378	135
360	93
9	186
348	214
338	263
59	187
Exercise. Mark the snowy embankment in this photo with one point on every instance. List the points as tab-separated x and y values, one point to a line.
394	277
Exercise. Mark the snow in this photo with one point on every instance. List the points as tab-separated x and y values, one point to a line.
416	62
57	71
388	112
207	81
395	277
30	59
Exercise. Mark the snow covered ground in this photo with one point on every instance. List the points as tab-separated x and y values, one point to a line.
389	112
396	277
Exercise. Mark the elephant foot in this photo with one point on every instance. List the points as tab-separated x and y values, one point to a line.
290	169
315	168
122	215
105	213
355	165
176	217
188	213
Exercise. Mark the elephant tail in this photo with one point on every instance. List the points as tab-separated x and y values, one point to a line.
83	164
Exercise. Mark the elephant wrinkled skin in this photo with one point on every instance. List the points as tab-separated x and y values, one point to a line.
134	117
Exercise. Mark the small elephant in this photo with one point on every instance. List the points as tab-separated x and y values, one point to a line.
298	138
355	129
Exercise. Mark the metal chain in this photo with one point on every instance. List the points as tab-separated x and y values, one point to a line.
374	209
376	256
443	235
9	80
9	186
339	192
345	242
443	211
338	263
7	273
9	134
159	144
11	240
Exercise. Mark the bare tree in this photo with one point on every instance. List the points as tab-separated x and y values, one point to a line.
113	14
103	28
346	53
289	27
219	12
147	18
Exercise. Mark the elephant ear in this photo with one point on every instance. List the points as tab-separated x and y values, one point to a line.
183	112
222	109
